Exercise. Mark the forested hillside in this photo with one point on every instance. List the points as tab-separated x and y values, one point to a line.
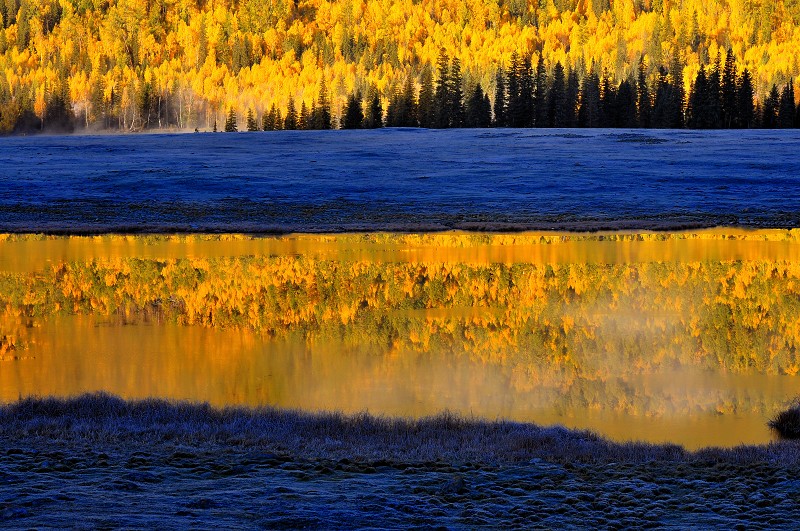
133	64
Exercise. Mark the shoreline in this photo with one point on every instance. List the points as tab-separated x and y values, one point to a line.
102	418
155	463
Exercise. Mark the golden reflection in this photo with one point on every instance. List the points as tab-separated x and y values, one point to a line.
622	333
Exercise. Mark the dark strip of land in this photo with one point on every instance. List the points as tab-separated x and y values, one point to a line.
97	460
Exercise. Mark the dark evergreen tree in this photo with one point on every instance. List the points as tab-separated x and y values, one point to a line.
589	109
478	111
426	106
58	115
410	103
676	76
290	122
643	104
402	107
455	96
714	96
527	87
268	119
500	99
353	113
322	112
730	108
230	123
515	114
373	118
697	109
571	100
557	99
744	101
769	111
786	107
626	115
252	125
304	119
667	108
608	103
542	112
441	96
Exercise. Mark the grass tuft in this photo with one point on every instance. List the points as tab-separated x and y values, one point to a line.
787	422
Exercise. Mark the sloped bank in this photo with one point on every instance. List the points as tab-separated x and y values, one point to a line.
143	463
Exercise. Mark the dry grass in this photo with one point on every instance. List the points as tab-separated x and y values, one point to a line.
105	419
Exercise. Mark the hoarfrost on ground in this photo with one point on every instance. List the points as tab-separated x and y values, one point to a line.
400	179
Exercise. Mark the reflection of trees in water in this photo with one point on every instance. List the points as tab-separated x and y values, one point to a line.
592	321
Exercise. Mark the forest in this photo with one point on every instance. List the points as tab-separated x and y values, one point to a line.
126	65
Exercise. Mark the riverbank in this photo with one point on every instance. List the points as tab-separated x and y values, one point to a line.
147	463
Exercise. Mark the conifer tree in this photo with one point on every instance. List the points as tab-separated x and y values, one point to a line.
268	120
290	122
426	110
608	102
696	110
744	101
410	104
322	112
252	125
230	122
643	104
626	108
589	110
571	99
667	109
676	77
557	99
303	120
527	84
441	96
499	106
478	111
58	115
713	94
769	111
373	118
353	113
455	96
541	111
786	107
515	114
730	109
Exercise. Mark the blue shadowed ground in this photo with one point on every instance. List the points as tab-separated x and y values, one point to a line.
400	179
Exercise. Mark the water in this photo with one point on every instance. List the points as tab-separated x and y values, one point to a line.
685	337
333	181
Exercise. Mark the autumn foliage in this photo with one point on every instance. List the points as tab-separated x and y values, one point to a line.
181	64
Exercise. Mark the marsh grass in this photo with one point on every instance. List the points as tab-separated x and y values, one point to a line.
105	419
787	422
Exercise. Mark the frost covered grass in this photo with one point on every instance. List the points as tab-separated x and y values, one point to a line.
105	419
787	422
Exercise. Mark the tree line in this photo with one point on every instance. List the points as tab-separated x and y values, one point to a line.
528	95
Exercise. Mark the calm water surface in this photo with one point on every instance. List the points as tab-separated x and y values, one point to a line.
636	339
